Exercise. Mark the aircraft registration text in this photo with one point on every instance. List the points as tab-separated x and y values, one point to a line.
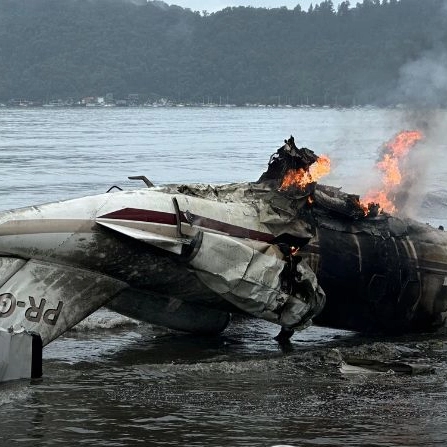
33	313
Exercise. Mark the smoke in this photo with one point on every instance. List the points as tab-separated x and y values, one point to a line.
424	166
423	82
419	167
422	92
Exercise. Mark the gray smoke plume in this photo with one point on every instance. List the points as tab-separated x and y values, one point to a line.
424	161
424	169
423	82
422	92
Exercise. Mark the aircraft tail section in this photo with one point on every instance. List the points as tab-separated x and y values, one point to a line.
48	299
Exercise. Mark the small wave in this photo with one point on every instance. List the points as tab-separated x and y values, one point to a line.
297	362
104	319
14	391
215	367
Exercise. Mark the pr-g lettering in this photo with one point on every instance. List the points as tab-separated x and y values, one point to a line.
34	312
7	304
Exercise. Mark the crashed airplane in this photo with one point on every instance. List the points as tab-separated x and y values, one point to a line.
188	256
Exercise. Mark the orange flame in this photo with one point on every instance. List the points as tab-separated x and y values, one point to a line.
395	151
403	142
300	178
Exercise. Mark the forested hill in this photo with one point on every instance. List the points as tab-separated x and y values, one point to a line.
376	52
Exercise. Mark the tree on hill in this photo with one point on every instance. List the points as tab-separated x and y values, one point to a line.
345	55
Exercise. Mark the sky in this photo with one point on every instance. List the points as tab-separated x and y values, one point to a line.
216	5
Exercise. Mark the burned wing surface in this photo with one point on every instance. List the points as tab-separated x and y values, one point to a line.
224	257
381	273
165	257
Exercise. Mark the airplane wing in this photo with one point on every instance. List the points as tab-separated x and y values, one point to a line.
240	271
49	298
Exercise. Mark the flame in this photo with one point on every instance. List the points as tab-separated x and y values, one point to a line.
390	167
403	142
395	151
300	178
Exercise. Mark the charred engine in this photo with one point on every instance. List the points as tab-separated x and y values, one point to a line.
380	273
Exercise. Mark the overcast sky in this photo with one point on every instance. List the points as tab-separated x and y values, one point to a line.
216	5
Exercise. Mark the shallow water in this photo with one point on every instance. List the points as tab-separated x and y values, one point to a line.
133	385
114	382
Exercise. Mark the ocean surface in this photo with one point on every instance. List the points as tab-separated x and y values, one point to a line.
112	381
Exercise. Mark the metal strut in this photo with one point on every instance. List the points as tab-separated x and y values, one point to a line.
148	183
178	218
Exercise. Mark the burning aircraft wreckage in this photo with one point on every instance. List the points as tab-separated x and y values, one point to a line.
284	249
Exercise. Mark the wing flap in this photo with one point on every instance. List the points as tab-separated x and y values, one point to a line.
169	243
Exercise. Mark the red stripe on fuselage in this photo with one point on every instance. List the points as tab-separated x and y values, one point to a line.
160	217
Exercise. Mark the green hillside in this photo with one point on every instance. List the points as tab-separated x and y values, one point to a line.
339	56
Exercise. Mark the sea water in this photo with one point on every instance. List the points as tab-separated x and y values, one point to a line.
112	381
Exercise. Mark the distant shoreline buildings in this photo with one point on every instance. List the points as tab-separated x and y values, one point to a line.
135	100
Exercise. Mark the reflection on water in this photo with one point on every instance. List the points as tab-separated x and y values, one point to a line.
114	382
